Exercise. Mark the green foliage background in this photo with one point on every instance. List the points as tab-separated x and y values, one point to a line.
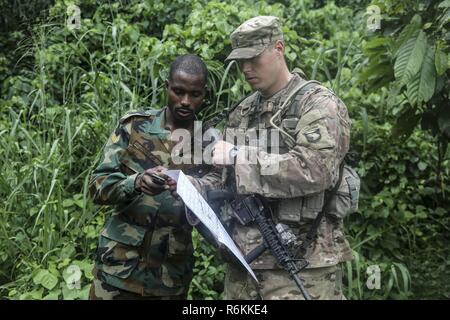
62	92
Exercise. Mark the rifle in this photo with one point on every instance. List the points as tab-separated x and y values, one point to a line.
277	238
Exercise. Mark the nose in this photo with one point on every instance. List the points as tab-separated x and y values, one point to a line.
185	100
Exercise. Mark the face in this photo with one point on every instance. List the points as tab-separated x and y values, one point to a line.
262	71
185	95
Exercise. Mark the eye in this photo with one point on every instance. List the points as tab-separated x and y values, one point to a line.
178	92
196	94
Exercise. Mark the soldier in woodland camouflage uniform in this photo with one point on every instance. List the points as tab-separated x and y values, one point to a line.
314	129
145	249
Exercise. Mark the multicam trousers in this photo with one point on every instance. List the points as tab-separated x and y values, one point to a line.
321	284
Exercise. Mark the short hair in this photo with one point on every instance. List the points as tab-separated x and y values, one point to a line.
190	64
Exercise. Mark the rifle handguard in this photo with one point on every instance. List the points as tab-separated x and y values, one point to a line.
255	253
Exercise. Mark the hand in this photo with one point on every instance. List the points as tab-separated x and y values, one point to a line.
146	183
221	153
172	184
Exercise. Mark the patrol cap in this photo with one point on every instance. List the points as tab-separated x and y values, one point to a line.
253	36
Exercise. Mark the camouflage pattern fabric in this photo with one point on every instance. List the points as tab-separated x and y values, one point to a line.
102	291
145	247
319	122
252	37
296	190
321	283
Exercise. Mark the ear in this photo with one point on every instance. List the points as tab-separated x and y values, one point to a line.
279	47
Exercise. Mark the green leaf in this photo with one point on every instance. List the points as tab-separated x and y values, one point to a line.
33	211
78	196
46	279
444	4
32	295
69	294
440	61
12	293
49	281
422	166
427	76
67	251
73	294
53	295
408	31
126	89
67	203
39	275
412	90
72	276
422	86
379	43
80	203
86	266
410	57
444	18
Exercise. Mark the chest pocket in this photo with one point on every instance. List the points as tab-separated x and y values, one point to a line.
138	158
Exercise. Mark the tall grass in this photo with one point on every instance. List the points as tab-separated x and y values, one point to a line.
74	86
51	145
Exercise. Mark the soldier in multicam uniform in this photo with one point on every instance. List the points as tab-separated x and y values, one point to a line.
314	129
145	249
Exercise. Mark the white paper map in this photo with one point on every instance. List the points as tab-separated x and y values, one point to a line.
195	202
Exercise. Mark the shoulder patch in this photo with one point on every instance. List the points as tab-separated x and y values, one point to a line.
140	113
312	135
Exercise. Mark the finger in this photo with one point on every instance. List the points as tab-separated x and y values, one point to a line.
150	171
172	186
147	191
171	182
160	169
148	182
162	174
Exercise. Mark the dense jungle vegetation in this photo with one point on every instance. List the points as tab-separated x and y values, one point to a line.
62	91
